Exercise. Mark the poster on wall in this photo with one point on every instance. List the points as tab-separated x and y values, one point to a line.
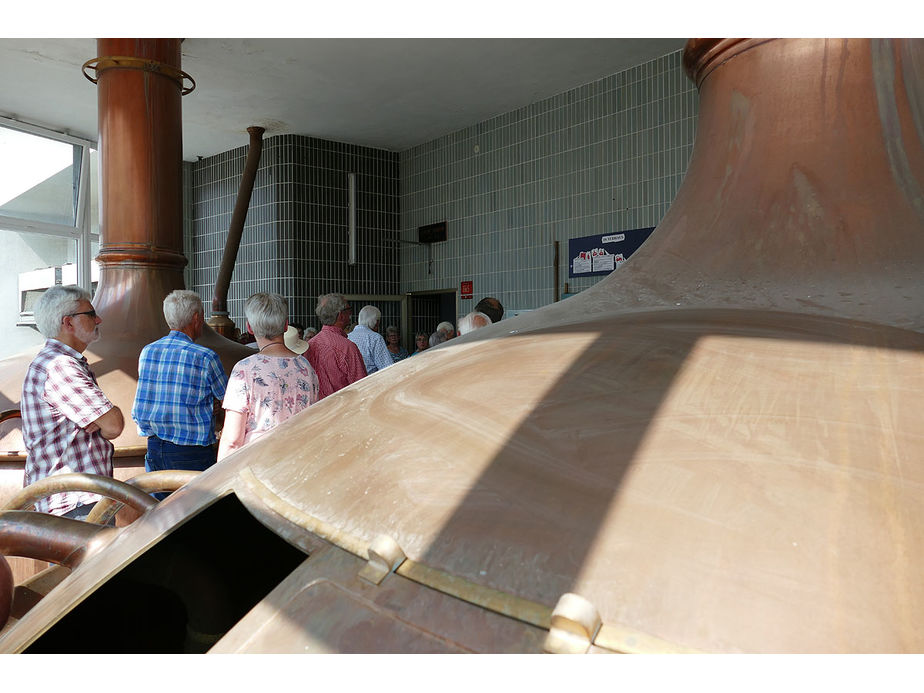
601	254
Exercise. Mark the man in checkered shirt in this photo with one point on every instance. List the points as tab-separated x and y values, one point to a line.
179	383
67	421
335	359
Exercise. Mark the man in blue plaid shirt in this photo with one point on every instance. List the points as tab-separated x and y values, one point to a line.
178	384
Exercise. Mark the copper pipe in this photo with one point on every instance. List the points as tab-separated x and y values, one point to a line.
220	321
47	537
9	414
91	483
140	151
150	482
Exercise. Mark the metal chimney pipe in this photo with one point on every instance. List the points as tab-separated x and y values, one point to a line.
220	321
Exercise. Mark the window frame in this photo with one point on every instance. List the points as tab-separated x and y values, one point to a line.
80	231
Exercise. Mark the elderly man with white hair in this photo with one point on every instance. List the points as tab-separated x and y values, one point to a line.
179	382
473	321
444	332
67	421
370	343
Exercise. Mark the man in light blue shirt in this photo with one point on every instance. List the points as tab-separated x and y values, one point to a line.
371	344
179	382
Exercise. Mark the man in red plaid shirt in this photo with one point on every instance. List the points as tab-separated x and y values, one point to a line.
67	421
335	359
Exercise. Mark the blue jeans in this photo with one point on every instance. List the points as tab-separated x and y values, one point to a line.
165	455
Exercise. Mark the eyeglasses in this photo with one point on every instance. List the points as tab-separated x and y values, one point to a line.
91	313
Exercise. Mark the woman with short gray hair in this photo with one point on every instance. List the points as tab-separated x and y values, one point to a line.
393	342
272	385
421	342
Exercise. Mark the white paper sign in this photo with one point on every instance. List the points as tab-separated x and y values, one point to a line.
603	263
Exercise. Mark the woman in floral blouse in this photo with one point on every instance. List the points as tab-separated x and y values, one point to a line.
272	385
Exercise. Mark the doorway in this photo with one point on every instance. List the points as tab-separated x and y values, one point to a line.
394	308
411	313
430	308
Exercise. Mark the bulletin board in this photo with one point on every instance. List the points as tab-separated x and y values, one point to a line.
601	254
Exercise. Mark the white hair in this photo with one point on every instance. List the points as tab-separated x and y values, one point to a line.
446	327
369	316
179	308
54	305
267	314
473	321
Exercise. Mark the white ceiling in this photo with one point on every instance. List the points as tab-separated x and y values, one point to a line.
379	92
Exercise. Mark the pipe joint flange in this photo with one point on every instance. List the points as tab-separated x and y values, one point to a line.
123	62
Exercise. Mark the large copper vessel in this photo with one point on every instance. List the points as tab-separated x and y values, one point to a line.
715	449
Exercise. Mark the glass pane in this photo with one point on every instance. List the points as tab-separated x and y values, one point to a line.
30	263
94	197
94	266
38	179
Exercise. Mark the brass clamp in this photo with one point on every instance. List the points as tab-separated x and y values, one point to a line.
384	557
575	624
121	62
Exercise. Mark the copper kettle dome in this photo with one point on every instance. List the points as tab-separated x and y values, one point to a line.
715	449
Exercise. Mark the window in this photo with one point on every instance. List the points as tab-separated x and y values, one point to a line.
49	223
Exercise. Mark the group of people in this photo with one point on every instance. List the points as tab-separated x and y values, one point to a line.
68	422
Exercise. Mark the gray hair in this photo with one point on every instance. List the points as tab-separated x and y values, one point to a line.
54	304
391	329
473	321
179	308
369	316
329	307
446	327
267	314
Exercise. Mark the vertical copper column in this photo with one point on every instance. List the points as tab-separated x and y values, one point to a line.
140	148
141	257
